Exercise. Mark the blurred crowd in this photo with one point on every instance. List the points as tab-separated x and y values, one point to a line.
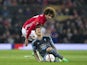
13	13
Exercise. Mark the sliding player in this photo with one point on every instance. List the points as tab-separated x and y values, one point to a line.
31	23
44	45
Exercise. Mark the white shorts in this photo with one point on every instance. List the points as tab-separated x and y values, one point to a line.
32	34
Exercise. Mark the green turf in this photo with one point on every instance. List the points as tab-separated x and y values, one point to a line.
18	57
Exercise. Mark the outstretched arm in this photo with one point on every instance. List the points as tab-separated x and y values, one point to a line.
37	55
28	33
26	42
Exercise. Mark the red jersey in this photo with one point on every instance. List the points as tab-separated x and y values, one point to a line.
31	23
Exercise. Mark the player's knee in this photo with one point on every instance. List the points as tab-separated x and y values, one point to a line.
49	49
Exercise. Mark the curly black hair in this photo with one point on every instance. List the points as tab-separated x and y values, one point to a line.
50	11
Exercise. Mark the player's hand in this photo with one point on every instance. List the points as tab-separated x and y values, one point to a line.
26	42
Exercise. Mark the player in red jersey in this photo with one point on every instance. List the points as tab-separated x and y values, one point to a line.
30	24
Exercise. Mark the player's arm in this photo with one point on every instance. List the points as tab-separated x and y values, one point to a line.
26	42
36	53
37	56
36	22
28	33
52	43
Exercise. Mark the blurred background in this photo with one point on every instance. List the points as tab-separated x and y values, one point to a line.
68	31
70	24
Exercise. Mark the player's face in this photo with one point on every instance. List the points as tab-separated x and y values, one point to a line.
49	16
38	31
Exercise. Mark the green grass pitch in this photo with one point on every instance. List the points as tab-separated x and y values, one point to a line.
18	57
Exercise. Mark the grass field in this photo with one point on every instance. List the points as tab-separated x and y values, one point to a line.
18	57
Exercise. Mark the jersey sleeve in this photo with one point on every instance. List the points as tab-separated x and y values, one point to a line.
51	41
36	22
33	45
30	29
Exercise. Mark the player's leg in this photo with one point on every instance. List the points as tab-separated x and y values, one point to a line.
56	54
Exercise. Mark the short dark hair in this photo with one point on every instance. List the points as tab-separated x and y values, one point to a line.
50	10
38	26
